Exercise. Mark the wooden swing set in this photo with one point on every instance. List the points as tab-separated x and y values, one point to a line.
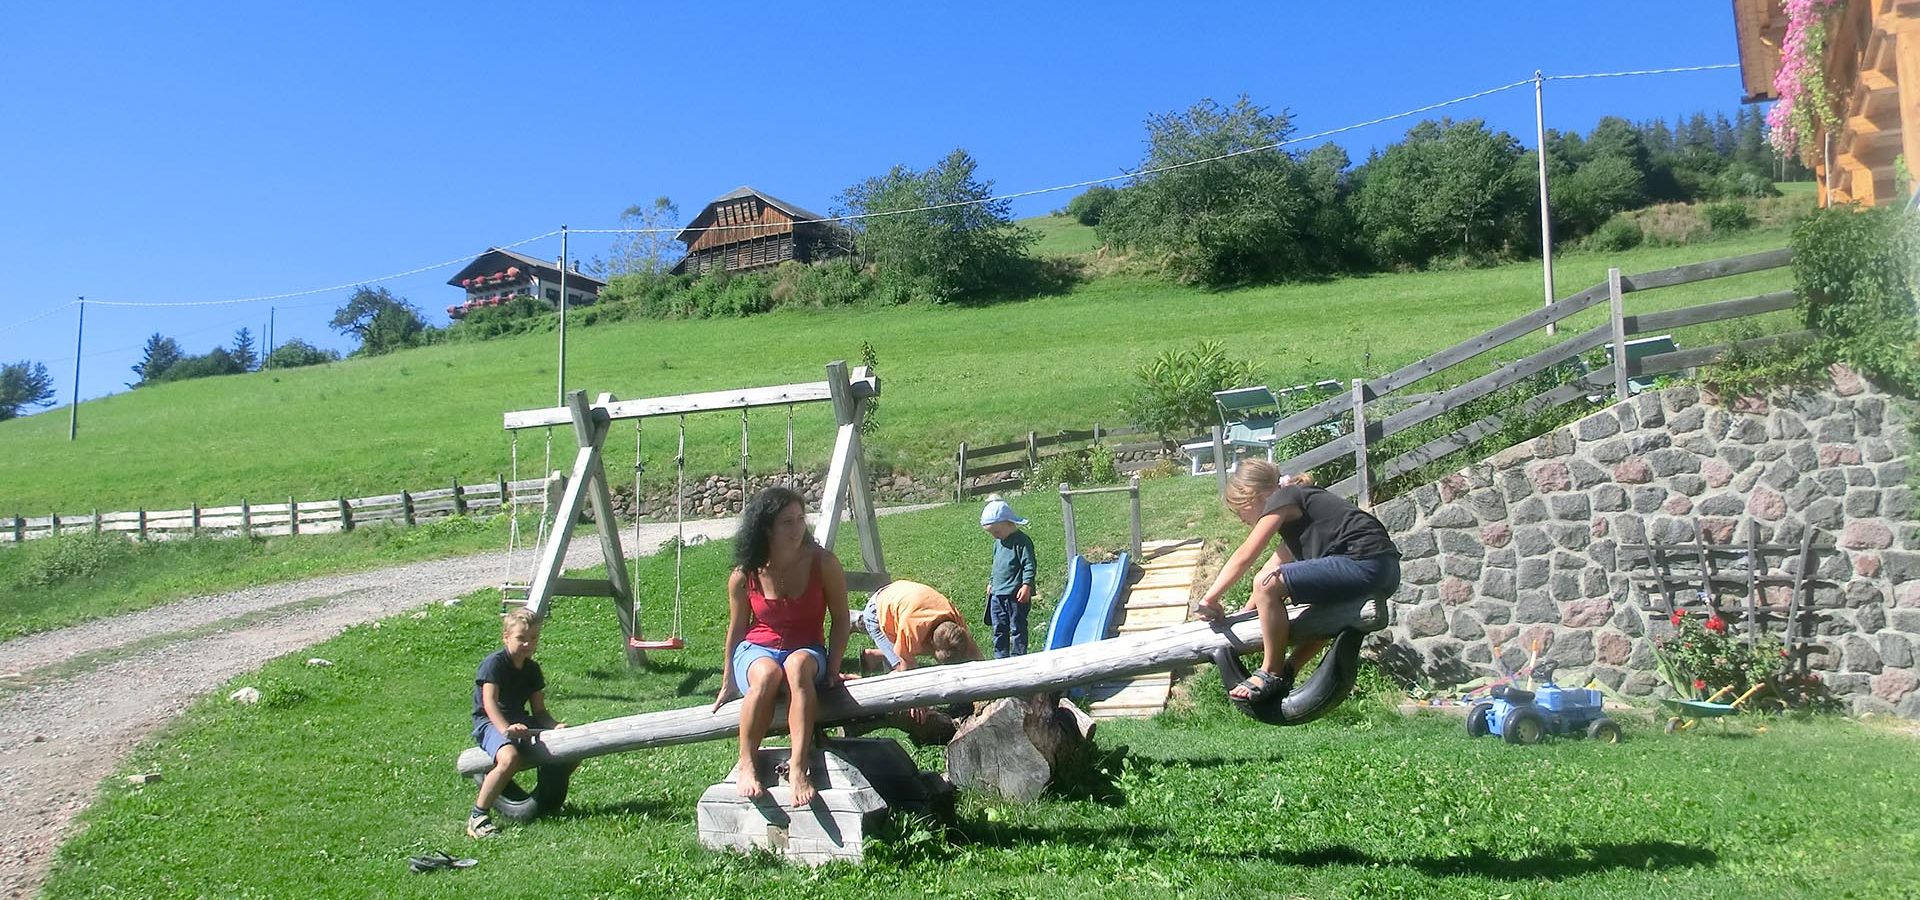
847	492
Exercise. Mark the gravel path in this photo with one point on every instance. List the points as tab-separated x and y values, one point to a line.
77	700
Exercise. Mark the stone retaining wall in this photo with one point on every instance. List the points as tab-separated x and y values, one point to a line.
1522	549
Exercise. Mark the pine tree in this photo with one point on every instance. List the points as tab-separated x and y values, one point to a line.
243	351
160	353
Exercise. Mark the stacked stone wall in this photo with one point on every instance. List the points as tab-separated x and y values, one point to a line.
1522	551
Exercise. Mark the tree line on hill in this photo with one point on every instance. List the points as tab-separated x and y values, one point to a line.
1449	191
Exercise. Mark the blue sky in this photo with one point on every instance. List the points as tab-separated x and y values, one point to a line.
212	151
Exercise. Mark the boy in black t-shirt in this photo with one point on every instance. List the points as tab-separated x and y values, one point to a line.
1330	551
509	703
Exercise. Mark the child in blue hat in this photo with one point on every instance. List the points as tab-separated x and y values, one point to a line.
1010	586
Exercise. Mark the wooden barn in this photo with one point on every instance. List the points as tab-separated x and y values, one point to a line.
747	229
1872	67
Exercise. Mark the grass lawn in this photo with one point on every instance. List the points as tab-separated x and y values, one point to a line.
54	582
340	773
422	417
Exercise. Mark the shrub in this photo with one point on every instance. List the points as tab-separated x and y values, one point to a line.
296	353
1092	465
68	556
1853	272
1173	394
1619	233
1726	218
1090	207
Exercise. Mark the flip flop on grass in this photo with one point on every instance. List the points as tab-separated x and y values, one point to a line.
428	862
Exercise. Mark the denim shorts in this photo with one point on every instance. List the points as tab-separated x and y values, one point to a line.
1341	579
749	652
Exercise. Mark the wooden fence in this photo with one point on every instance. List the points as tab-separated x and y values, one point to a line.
1348	413
290	517
1014	458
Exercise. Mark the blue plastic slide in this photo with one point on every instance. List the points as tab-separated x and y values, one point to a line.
1091	604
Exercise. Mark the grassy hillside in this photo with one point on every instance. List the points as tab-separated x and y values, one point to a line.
422	417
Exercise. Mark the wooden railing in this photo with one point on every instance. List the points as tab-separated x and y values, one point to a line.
1013	458
290	517
1343	411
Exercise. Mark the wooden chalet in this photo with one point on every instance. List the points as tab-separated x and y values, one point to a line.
748	229
1872	67
497	276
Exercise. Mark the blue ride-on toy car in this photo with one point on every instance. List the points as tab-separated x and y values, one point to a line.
1527	717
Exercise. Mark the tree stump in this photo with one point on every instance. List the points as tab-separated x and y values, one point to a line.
1014	747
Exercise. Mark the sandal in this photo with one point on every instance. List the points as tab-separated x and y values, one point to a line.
439	860
1263	684
480	826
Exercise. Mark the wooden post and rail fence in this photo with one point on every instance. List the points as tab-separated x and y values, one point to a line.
1358	422
325	516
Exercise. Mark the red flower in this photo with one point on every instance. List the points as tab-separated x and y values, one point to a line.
1676	617
1699	684
1716	624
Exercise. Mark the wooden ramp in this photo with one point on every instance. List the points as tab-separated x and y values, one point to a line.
1157	600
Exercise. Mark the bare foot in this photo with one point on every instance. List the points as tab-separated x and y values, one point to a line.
747	781
803	792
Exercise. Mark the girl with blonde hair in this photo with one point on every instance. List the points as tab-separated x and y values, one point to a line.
1329	552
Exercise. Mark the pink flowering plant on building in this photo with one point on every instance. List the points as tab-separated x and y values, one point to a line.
1800	83
1702	655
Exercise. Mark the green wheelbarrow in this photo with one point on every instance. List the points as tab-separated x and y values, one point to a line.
1685	714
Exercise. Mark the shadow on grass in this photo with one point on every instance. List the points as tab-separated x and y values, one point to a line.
1553	862
995	834
659	810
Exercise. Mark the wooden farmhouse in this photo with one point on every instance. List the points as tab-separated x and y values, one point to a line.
497	276
747	229
1872	68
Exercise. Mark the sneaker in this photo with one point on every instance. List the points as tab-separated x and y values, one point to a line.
480	825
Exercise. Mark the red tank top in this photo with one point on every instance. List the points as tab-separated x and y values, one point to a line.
789	623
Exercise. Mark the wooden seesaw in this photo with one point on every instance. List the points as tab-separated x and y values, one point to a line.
558	751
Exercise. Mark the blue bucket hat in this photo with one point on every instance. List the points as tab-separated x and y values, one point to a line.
997	510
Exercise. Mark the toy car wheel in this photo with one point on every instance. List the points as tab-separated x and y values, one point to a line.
1673	725
1605	730
1525	726
1478	717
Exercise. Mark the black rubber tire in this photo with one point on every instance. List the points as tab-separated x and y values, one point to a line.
1478	723
1324	690
1525	725
548	795
1605	731
1673	725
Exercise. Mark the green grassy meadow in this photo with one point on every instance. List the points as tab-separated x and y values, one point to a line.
340	773
423	417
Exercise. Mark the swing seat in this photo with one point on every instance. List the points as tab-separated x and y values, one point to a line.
672	643
515	594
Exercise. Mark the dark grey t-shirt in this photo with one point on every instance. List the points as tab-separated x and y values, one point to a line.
517	687
1328	526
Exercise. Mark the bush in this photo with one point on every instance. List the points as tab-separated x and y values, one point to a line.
1090	207
1619	233
1726	218
1853	270
1092	465
52	560
1173	394
296	353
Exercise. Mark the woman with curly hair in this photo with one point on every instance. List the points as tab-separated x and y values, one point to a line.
783	587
